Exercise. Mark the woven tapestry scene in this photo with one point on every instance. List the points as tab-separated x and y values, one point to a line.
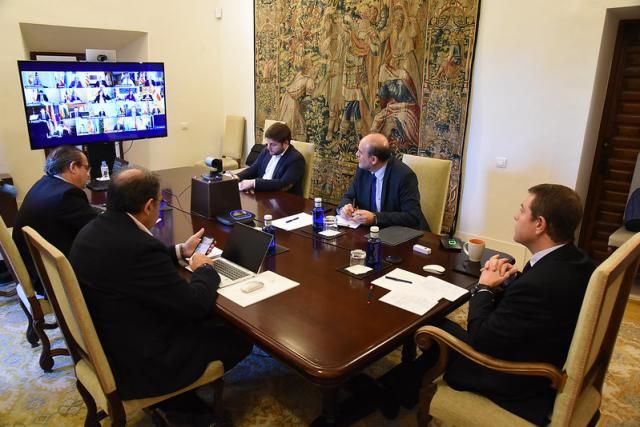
336	70
259	391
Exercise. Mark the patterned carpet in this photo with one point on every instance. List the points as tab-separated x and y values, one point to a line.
258	392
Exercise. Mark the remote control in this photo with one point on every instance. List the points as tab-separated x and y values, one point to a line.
422	249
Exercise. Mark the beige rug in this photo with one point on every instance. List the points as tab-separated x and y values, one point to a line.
258	392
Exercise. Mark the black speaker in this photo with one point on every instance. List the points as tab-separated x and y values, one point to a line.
210	198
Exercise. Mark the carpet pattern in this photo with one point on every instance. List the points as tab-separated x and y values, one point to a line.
258	392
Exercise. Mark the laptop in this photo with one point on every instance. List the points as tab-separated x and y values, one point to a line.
243	255
96	185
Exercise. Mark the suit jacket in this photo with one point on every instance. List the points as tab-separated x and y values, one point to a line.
146	315
533	321
400	201
287	176
57	210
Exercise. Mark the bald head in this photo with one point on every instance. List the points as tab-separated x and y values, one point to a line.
373	152
131	188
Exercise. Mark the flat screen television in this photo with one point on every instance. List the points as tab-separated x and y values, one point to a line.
76	103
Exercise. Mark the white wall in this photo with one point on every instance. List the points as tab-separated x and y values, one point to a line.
183	35
531	99
533	79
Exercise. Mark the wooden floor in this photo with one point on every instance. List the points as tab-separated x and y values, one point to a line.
632	312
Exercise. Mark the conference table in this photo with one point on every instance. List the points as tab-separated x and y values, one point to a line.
331	326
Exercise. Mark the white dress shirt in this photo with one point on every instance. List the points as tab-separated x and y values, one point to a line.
379	177
271	166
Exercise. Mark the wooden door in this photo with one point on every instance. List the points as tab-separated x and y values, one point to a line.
618	145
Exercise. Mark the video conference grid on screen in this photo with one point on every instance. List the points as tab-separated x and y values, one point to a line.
73	103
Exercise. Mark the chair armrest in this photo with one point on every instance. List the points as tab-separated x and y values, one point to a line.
426	334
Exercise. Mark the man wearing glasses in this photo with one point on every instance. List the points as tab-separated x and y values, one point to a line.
56	206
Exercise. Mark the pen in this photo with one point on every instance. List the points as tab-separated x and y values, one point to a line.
291	220
370	296
397	280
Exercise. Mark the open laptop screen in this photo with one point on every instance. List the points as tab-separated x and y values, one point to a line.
247	247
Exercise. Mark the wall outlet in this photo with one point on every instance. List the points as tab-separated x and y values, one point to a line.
501	162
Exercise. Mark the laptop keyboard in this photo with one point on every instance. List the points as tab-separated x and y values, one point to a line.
226	269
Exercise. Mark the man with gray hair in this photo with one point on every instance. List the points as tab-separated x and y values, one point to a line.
56	206
158	330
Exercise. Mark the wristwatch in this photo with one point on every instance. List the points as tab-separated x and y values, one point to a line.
482	288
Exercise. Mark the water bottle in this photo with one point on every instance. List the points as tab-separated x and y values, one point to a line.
374	248
104	170
269	228
318	216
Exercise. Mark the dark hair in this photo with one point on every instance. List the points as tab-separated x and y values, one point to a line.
279	132
130	193
560	206
60	159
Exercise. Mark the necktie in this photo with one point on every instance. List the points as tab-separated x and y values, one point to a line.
374	205
526	268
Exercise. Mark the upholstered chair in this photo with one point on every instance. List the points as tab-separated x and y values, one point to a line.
95	380
578	384
306	149
36	307
433	183
232	142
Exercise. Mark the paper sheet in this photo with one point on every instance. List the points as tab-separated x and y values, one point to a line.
419	296
273	285
343	222
418	304
292	222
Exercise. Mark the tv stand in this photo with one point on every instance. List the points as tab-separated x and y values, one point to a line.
98	152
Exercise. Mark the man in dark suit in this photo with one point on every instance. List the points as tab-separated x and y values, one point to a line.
158	330
384	190
280	167
528	316
56	206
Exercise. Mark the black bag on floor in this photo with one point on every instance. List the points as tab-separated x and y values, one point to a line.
254	153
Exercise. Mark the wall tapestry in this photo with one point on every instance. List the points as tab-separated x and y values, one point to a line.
335	70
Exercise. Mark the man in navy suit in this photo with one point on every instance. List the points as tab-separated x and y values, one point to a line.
56	206
528	316
158	330
384	190
280	167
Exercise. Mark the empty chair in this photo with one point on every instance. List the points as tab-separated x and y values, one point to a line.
95	380
232	142
578	385
306	149
433	183
35	307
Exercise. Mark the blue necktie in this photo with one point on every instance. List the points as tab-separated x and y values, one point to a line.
374	205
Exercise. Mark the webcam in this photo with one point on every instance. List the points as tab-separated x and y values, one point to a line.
102	58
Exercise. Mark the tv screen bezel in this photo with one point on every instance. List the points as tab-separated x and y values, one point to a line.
71	66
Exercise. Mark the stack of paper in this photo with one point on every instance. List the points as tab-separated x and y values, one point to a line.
415	293
343	222
273	285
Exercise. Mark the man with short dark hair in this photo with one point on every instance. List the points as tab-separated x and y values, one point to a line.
280	167
528	316
56	206
384	190
158	330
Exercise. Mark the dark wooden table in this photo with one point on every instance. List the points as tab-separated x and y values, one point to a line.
325	328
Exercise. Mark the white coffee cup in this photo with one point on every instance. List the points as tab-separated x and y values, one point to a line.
474	249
